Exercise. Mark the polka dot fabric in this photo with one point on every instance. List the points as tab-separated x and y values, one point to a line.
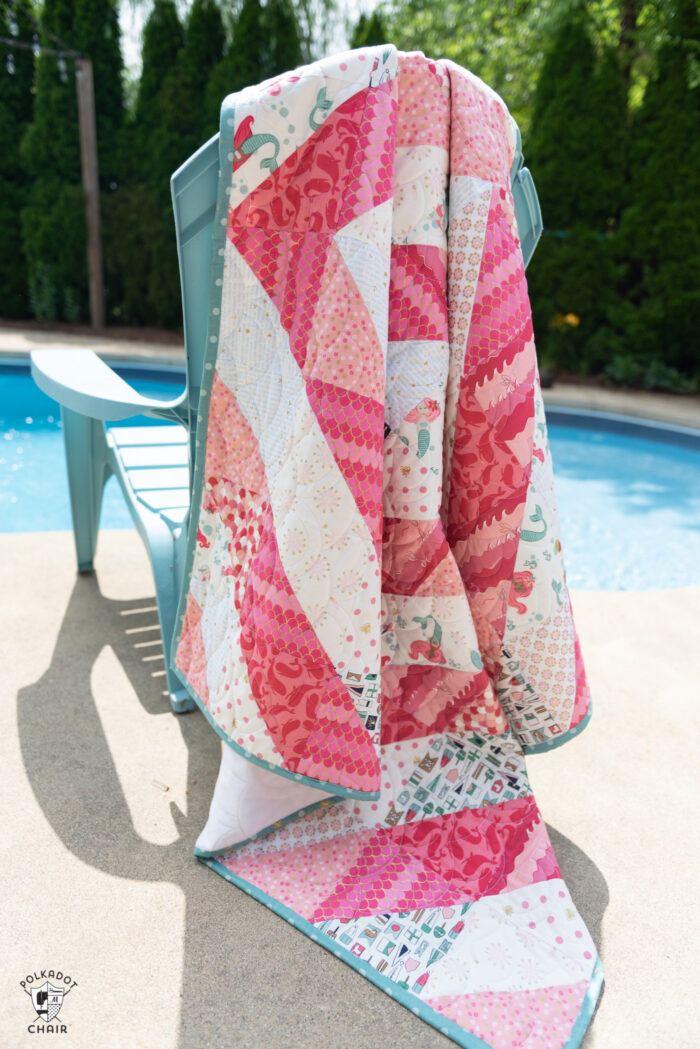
424	103
538	1019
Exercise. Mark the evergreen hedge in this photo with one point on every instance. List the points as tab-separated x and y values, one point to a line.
653	320
613	283
16	110
187	70
50	151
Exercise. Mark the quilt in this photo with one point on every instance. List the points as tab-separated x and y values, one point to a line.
375	618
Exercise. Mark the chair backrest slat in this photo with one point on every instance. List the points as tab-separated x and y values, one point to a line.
194	190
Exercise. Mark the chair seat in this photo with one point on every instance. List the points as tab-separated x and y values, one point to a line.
153	462
151	466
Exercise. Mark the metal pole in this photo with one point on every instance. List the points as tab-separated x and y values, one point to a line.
91	187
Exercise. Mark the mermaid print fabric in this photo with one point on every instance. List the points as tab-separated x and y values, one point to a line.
376	604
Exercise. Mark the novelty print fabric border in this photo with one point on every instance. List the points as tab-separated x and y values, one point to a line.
376	602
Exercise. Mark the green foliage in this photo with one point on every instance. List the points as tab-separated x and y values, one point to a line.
606	92
16	102
15	90
52	221
369	31
243	62
163	37
52	142
317	22
606	96
575	146
96	33
182	125
627	370
659	376
54	212
205	39
284	50
576	153
658	243
502	41
266	41
185	77
53	234
571	282
141	272
603	178
140	257
557	147
623	370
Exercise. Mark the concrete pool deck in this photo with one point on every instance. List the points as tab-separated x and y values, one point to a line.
106	792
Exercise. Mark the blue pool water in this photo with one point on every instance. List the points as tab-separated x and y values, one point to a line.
629	503
33	486
629	495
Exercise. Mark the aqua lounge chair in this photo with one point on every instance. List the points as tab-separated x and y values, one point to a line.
154	464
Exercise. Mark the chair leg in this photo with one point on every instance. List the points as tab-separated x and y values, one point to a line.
165	559
180	699
88	470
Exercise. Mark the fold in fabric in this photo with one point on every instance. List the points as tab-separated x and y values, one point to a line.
376	605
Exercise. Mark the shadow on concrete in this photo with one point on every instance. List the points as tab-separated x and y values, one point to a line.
248	978
589	891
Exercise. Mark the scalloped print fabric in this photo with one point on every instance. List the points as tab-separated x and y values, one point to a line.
377	602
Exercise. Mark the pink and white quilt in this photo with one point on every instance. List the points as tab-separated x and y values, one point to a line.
376	620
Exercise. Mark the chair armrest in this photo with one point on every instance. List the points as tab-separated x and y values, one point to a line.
83	382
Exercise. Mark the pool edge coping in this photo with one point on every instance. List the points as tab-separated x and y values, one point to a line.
666	408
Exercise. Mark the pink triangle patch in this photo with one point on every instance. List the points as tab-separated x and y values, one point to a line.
533	1019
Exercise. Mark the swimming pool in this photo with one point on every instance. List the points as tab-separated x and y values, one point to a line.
33	485
629	500
628	491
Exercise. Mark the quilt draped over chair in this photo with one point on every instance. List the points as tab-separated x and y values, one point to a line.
376	612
